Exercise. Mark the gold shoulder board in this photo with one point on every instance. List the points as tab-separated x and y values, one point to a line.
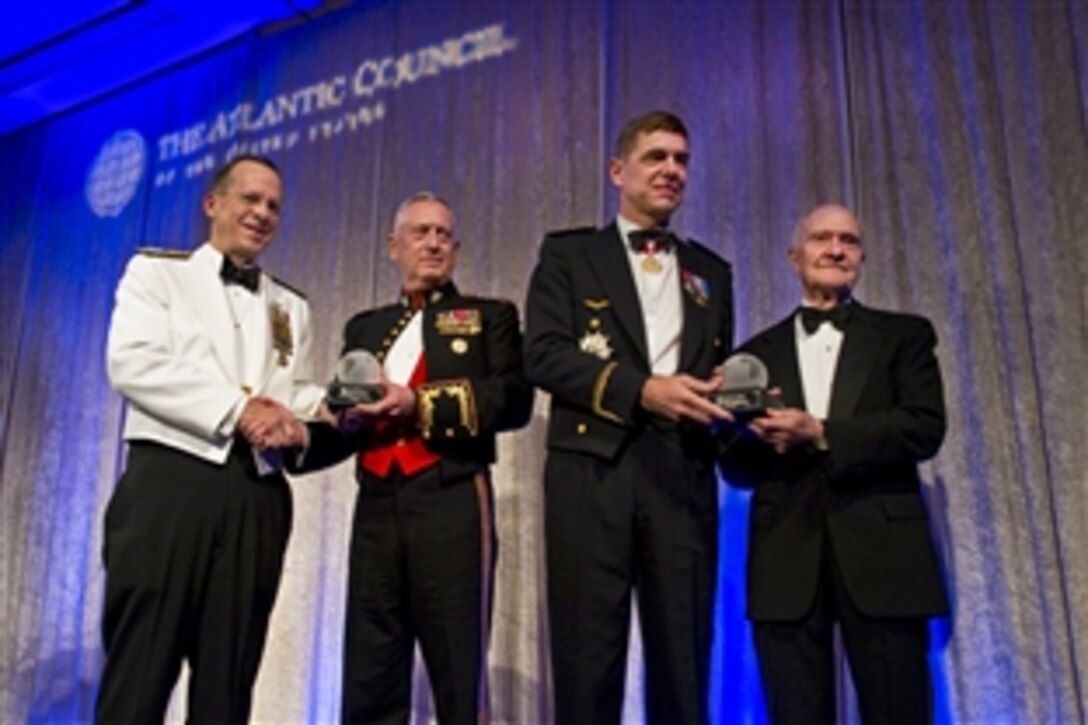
161	253
289	288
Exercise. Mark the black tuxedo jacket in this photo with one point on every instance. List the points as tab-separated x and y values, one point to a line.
862	496
475	385
586	343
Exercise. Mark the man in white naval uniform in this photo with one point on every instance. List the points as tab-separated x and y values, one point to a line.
213	358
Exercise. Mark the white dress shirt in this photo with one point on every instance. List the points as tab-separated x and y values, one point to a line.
661	299
817	356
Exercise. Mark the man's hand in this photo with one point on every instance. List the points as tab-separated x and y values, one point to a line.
681	396
398	401
327	415
786	428
266	423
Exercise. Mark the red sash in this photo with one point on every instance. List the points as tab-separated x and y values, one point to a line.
391	443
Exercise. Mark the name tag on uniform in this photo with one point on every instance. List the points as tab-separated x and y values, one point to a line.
462	321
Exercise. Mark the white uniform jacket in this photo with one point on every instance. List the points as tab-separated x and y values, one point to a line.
171	352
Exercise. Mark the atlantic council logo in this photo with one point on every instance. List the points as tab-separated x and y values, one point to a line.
116	173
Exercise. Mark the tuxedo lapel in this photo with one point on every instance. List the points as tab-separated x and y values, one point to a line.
860	341
608	259
696	294
780	356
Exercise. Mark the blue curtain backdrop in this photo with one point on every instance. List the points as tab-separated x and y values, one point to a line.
956	129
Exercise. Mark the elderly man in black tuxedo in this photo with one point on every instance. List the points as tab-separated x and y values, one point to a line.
839	531
624	327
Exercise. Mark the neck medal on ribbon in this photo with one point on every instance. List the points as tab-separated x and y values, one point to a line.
650	262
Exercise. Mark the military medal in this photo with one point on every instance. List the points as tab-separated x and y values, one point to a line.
650	263
697	287
281	334
464	321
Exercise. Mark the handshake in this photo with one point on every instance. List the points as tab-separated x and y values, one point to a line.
358	394
268	424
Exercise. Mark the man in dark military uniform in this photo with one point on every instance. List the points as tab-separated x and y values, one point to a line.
423	538
624	327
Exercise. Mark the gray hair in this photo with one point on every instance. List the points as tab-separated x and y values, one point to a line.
419	196
800	231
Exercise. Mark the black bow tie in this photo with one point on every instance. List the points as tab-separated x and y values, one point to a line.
248	277
812	318
661	239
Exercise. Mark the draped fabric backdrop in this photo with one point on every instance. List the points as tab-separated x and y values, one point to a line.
956	129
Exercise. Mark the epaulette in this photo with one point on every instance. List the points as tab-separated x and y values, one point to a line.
161	253
572	230
287	287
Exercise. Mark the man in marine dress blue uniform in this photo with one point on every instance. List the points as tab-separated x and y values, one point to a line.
423	536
